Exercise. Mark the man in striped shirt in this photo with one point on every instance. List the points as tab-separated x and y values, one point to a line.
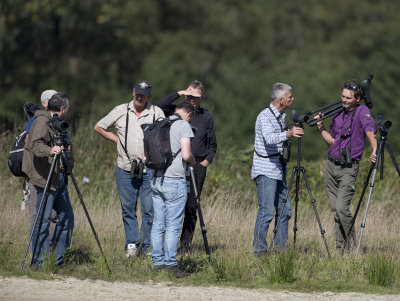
269	171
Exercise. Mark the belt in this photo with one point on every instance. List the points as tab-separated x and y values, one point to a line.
337	162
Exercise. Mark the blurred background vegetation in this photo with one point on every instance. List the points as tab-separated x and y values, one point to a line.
96	50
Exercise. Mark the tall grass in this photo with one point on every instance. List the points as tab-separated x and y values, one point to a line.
229	210
381	270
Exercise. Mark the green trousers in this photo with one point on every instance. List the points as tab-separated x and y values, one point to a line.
340	187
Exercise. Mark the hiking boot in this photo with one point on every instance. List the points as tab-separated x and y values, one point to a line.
158	268
174	269
131	250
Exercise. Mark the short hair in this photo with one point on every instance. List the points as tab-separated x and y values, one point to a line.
279	90
355	87
57	101
196	84
186	106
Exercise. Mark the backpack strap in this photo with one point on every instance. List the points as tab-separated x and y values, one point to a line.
170	121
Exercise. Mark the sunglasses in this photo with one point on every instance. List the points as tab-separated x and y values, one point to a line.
349	86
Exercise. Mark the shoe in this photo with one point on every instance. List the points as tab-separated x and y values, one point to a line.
131	250
158	268
174	269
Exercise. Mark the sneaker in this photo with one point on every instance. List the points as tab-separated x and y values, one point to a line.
176	271
131	250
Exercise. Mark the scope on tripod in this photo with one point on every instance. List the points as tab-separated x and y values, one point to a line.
296	118
383	124
59	125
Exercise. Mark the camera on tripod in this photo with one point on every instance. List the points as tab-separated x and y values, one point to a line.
383	125
137	170
60	128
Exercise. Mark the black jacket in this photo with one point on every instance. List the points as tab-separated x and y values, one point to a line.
204	143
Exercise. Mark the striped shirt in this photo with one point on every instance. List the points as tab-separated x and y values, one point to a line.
268	141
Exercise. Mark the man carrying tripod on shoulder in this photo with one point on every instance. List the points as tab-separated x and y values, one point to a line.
38	157
346	138
269	168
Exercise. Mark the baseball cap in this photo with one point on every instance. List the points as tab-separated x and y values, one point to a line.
143	87
46	95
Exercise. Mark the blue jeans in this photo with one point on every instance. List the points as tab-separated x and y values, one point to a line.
271	194
169	201
59	201
129	190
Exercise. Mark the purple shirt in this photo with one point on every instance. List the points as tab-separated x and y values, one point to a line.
362	123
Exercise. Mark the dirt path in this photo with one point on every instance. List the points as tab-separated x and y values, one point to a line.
73	289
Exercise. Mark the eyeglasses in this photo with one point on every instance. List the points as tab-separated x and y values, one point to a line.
349	86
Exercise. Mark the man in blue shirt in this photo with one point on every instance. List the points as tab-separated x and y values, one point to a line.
268	170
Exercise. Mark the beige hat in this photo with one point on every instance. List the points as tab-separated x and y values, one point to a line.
46	95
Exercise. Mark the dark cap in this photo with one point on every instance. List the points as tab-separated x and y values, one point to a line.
143	87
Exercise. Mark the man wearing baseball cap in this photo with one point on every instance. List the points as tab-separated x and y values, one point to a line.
128	118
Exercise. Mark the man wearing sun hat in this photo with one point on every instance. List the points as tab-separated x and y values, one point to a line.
128	118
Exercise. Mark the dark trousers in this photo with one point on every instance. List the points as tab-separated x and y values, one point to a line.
190	220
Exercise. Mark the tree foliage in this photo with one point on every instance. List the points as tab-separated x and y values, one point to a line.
96	50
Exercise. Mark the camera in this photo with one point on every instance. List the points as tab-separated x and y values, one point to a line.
383	124
285	151
137	170
59	125
345	156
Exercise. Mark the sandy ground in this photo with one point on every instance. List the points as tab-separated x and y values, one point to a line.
74	289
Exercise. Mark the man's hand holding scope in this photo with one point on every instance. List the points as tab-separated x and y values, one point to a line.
296	132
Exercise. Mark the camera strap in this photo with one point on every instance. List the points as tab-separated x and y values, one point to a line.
282	130
126	130
349	132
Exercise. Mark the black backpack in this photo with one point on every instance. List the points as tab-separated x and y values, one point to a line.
157	144
16	155
17	149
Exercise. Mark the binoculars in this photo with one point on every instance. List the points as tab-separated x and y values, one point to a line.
137	169
345	156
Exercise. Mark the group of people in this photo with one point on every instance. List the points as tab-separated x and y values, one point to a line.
164	199
168	205
346	138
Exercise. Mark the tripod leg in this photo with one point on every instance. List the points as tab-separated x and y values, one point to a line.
366	182
282	209
315	210
84	209
41	210
201	220
296	200
371	187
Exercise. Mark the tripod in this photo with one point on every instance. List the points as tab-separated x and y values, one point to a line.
296	171
384	126
43	204
201	220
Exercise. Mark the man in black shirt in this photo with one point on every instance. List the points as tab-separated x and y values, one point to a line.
203	147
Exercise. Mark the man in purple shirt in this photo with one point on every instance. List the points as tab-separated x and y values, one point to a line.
346	139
